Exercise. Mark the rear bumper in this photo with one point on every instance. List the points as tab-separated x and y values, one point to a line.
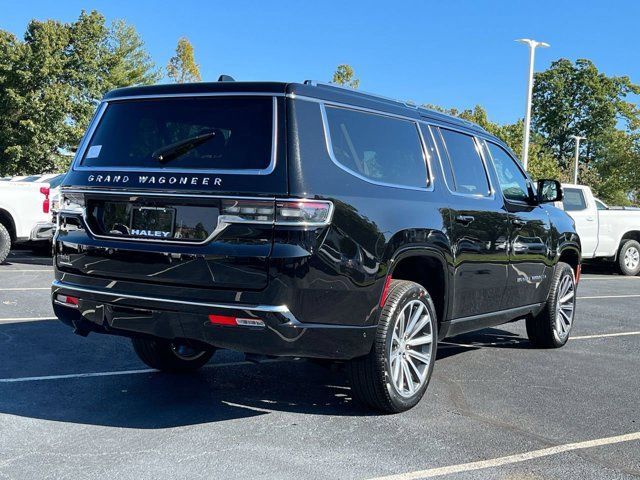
42	231
103	311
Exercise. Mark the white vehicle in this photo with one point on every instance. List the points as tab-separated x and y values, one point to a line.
606	233
25	215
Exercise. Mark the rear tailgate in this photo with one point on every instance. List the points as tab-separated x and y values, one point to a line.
202	218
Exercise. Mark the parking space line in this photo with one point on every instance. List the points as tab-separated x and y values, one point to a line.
608	296
21	289
608	278
25	319
604	335
511	459
129	372
26	270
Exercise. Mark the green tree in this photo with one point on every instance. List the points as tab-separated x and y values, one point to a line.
576	99
344	75
182	67
51	82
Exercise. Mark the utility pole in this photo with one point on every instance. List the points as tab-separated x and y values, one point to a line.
527	116
575	167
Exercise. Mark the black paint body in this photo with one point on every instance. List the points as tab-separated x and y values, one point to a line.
330	278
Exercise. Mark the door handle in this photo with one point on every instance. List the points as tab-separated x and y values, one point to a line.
465	219
519	222
589	219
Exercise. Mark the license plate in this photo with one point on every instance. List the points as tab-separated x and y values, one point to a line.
157	222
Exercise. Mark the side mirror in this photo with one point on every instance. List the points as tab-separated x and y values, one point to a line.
549	191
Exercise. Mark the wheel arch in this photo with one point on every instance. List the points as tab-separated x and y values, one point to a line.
630	235
570	255
428	268
9	223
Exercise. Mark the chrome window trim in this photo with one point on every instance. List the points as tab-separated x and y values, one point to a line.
329	146
196	94
491	191
77	161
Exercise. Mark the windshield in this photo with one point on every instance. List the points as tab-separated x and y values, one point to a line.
130	132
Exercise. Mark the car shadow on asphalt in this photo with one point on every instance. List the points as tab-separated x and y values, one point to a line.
155	400
26	257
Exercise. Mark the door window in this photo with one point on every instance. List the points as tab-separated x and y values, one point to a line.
469	175
513	182
573	200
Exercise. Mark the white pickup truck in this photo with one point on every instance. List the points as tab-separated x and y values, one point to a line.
24	215
611	234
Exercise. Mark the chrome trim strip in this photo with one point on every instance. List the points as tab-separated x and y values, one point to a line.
496	313
133	193
329	146
254	308
77	161
224	221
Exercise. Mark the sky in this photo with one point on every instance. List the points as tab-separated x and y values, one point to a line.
449	53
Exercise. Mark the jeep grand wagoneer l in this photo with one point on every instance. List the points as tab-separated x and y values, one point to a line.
305	220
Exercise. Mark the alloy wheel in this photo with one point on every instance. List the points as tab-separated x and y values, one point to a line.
565	306
632	258
410	349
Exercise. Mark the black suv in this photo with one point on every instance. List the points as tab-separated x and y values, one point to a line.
305	220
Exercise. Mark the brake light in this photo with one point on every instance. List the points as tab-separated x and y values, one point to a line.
67	300
234	321
45	203
282	212
578	273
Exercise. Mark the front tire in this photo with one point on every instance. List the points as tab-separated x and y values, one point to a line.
170	356
551	327
395	374
629	258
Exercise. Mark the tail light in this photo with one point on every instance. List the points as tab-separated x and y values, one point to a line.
235	321
72	203
45	203
282	212
66	300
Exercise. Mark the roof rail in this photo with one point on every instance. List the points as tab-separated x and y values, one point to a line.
317	83
408	103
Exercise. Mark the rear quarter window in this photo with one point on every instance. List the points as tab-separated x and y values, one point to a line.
379	148
130	131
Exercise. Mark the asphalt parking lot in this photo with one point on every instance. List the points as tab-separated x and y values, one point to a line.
85	408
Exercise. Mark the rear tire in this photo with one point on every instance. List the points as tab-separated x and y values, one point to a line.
629	258
395	374
552	326
5	243
170	356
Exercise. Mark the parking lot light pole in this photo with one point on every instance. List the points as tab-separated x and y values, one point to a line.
527	116
575	168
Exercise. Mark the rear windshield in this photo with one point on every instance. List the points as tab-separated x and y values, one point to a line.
238	133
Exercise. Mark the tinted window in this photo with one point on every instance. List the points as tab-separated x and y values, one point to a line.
573	200
469	175
513	183
380	148
129	132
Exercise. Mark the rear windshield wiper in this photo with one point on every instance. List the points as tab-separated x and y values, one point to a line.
177	149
